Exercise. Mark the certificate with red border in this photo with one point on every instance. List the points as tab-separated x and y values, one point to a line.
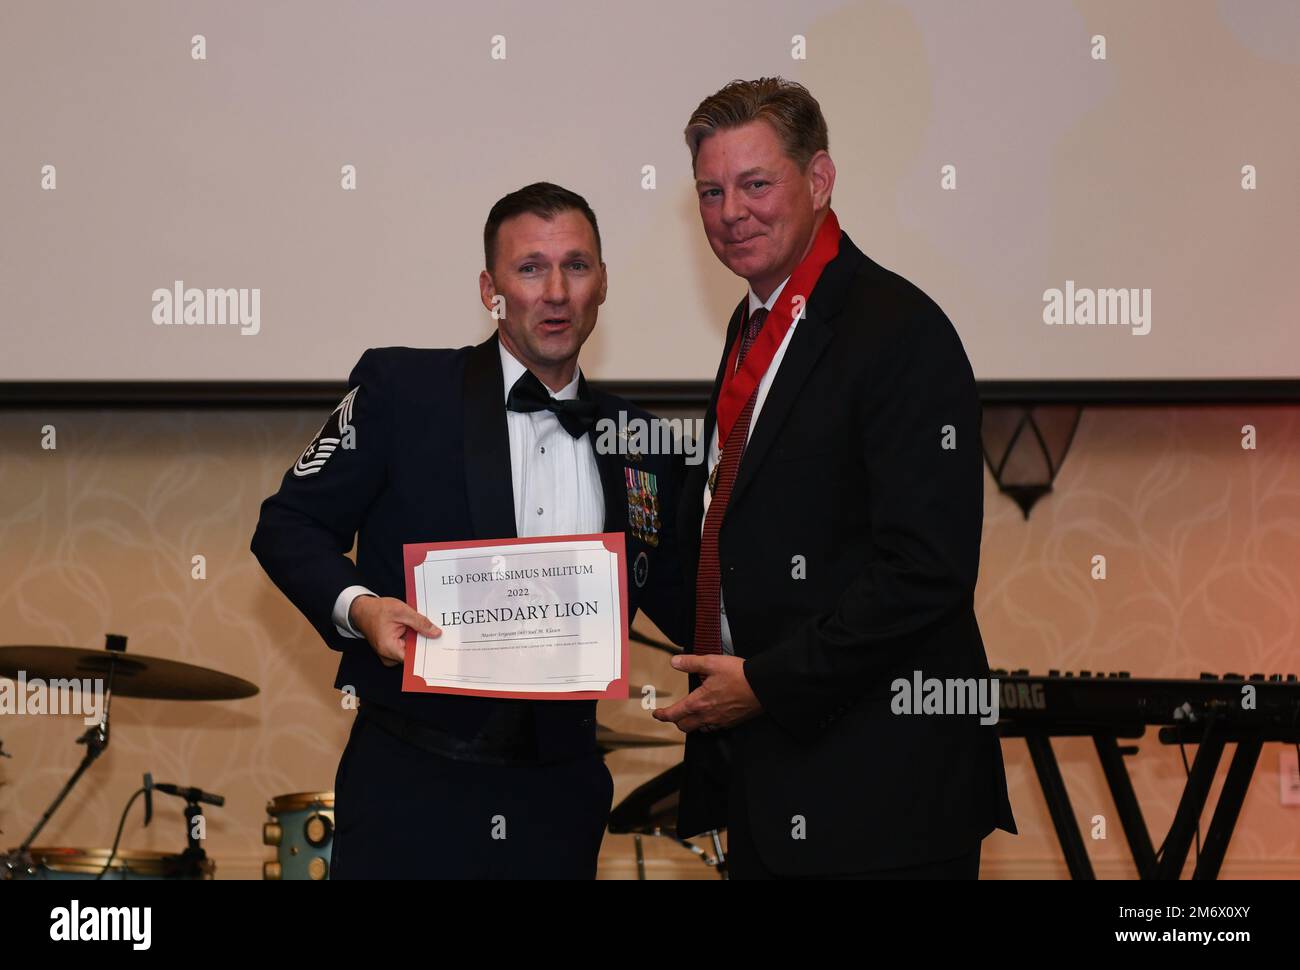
542	618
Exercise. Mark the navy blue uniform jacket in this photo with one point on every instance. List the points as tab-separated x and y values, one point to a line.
430	462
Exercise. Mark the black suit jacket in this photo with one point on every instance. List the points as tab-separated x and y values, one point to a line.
431	463
845	469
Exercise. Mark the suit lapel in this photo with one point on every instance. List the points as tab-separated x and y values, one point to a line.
807	344
610	465
488	480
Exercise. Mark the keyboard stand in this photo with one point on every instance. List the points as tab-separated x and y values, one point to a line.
1210	738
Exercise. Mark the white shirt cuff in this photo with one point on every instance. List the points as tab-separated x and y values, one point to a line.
343	606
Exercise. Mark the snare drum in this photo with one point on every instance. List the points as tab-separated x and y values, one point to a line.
63	863
302	831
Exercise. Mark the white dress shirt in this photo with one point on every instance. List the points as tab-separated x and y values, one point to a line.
557	488
715	453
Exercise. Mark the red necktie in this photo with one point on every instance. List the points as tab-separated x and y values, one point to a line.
708	582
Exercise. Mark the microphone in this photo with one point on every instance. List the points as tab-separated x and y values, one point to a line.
191	794
148	799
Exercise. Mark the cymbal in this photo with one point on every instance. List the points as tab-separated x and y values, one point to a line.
133	675
608	739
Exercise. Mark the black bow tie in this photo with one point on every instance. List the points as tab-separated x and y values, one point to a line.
577	416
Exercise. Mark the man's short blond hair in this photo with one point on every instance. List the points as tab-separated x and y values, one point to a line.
787	106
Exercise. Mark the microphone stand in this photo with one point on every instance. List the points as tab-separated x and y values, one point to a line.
193	858
96	741
193	861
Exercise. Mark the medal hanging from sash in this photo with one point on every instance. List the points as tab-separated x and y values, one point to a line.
738	384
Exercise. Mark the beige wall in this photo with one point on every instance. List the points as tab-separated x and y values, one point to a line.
1202	540
1123	173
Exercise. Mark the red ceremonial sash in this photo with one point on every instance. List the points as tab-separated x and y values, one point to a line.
738	385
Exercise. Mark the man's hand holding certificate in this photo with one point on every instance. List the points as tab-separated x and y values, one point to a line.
533	618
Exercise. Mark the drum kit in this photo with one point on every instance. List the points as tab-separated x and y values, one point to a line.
302	831
114	673
301	826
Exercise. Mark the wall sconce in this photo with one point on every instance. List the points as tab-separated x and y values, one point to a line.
1025	447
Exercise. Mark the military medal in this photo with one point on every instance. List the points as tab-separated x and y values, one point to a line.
642	505
651	507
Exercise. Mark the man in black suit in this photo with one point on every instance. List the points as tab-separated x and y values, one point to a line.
834	534
487	442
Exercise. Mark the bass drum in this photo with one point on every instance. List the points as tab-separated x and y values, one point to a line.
62	863
302	831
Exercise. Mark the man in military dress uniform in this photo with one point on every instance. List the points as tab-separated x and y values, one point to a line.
488	442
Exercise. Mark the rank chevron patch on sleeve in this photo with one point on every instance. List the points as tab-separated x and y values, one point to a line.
337	430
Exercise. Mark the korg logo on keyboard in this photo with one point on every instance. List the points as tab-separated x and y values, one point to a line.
1023	697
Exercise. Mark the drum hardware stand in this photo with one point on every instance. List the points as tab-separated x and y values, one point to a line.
716	861
719	860
95	739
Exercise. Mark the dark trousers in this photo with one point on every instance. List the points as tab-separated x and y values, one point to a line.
401	812
743	861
